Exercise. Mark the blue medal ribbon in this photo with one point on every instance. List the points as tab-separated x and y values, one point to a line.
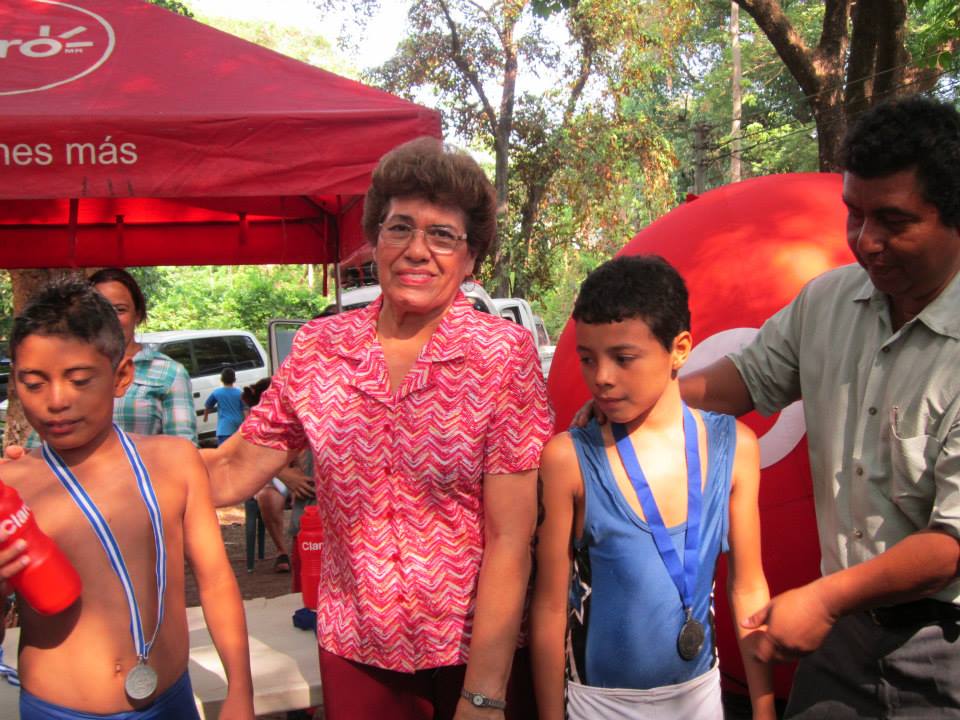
684	576
102	530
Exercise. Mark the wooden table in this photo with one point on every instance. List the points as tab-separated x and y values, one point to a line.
283	659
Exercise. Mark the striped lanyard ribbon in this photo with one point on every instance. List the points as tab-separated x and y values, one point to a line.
109	542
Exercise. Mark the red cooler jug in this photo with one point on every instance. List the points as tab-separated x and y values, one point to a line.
49	583
309	544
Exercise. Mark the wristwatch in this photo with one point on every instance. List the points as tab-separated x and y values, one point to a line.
482	701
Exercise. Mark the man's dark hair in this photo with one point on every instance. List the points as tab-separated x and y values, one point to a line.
228	376
121	276
428	168
636	286
914	132
70	308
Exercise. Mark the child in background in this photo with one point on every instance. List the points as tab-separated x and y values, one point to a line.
228	402
636	512
272	499
126	510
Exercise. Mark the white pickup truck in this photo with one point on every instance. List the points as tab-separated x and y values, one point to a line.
519	311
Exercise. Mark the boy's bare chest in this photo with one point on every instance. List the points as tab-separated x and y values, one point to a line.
116	498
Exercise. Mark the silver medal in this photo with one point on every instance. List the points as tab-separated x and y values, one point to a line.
141	682
690	640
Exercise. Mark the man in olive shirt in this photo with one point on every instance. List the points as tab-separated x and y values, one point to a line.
873	350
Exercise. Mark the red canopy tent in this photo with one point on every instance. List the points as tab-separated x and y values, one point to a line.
133	136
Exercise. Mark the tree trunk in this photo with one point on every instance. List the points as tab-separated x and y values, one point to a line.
819	72
735	92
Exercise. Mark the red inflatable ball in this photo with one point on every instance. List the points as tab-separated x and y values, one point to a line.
745	250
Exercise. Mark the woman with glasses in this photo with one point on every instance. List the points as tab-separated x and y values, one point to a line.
426	419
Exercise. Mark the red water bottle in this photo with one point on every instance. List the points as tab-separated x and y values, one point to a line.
309	544
49	583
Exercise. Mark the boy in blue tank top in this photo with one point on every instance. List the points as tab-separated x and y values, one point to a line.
635	514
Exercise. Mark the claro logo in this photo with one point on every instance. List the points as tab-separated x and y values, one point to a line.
47	43
9	525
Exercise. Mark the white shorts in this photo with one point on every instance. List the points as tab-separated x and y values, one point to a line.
696	699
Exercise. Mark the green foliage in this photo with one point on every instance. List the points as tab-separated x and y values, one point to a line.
6	311
935	24
245	298
287	40
174	6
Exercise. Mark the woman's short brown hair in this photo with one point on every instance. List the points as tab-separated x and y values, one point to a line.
428	168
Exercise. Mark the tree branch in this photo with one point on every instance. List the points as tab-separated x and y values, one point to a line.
465	68
770	18
891	49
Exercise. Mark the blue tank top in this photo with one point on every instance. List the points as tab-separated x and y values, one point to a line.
625	610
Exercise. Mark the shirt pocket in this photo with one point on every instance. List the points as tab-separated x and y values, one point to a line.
912	460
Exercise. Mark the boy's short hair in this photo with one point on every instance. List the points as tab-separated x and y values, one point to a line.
228	376
71	308
636	286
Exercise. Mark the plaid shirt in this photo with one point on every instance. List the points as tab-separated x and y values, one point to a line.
159	401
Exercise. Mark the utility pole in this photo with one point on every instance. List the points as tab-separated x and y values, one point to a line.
735	92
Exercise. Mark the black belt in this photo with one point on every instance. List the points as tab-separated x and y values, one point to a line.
916	614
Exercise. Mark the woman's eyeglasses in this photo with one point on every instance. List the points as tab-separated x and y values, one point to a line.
440	240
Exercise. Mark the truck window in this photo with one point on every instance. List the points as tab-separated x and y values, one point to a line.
511	313
245	354
542	337
180	351
212	355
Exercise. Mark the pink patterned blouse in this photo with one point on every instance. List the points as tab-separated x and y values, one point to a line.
399	475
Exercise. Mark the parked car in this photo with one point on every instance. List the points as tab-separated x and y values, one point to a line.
519	311
205	353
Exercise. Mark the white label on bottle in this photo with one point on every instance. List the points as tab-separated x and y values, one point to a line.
9	525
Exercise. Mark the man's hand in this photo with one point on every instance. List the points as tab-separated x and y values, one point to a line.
796	623
586	413
300	484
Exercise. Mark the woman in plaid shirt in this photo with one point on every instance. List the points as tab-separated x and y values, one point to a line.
160	399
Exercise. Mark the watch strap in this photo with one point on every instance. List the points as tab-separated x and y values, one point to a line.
482	701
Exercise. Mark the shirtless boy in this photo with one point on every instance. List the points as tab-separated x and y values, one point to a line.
638	510
67	357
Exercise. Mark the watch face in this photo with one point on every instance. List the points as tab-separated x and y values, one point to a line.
477	700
